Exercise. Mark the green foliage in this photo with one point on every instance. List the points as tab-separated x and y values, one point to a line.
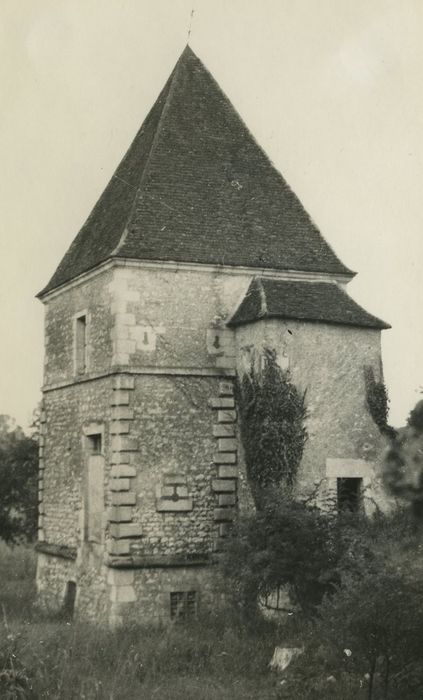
378	402
18	478
374	623
288	544
403	464
272	427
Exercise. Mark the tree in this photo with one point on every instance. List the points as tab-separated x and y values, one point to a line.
403	466
19	482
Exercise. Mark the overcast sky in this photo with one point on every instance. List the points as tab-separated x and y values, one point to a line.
332	89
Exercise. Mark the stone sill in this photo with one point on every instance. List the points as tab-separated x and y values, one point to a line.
159	561
56	550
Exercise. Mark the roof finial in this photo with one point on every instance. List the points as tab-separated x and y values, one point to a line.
190	24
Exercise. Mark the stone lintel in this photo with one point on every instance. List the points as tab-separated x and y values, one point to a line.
159	561
56	550
348	468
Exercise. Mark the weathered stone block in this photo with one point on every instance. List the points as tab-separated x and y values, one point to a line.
118	547
122	594
226	388
165	491
124	498
124	443
120	484
120	577
226	416
227	499
175	479
124	530
183	504
227	472
120	398
120	514
119	426
225	529
120	457
226	362
223	402
224	458
122	413
223	485
224	430
122	471
227	445
124	382
226	514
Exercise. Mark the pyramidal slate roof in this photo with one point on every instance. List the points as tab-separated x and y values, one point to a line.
325	302
195	186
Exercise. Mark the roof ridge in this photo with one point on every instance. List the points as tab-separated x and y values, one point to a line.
171	82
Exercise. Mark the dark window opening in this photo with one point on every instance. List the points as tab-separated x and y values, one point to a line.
349	493
183	605
94	444
81	344
69	600
216	342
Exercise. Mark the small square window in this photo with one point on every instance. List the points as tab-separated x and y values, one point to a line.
183	605
94	444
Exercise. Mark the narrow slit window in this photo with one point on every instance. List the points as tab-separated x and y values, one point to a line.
94	444
69	600
81	344
350	494
183	605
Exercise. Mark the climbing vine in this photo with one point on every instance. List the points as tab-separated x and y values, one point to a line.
273	434
378	402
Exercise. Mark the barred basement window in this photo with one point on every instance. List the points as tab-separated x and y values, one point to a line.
183	604
277	599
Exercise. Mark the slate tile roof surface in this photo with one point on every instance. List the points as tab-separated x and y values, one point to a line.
326	302
195	186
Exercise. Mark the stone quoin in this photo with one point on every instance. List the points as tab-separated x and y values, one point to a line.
196	258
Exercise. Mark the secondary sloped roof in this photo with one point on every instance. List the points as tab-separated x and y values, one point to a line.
195	186
326	302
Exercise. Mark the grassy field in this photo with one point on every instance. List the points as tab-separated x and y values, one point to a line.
210	659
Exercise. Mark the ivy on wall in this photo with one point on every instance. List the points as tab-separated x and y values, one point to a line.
378	402
273	434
